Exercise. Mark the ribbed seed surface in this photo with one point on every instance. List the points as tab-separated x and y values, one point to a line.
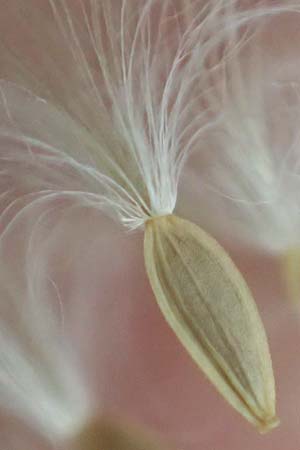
207	303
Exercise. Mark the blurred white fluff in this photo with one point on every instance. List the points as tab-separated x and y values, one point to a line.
253	169
116	81
39	379
114	96
100	104
95	108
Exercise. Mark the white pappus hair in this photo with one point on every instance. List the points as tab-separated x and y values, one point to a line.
108	98
253	172
39	379
101	104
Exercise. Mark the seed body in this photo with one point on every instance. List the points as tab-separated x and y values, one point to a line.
207	303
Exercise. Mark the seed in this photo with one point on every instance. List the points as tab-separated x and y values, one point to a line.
208	305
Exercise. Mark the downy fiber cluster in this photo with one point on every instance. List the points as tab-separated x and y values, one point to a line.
112	106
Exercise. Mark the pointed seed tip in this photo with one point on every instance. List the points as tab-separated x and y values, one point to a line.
268	425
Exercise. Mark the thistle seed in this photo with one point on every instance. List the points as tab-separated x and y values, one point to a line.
208	305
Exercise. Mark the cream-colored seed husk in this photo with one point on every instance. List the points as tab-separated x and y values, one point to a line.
210	308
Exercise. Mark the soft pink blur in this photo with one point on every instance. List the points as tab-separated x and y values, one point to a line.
132	361
134	364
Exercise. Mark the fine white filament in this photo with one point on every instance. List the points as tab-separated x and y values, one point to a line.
100	105
113	96
39	380
253	175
